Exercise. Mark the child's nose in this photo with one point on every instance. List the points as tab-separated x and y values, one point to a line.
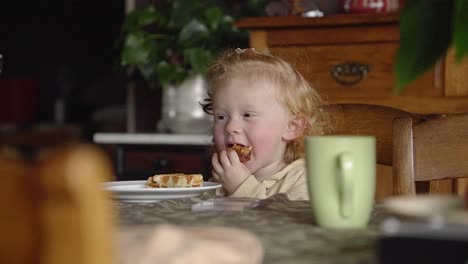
232	127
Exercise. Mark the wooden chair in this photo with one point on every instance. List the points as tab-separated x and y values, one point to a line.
54	210
432	152
374	120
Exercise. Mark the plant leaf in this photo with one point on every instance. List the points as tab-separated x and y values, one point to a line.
147	16
460	29
148	72
170	73
135	50
425	34
139	18
199	58
193	32
214	16
183	11
255	8
166	72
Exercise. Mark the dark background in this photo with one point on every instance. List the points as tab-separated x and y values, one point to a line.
66	49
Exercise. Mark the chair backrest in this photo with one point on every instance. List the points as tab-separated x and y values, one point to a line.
374	120
431	150
54	210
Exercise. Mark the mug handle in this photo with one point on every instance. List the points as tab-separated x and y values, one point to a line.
345	183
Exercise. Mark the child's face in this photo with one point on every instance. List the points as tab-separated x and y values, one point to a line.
249	113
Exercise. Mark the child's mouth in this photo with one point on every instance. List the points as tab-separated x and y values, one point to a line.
232	145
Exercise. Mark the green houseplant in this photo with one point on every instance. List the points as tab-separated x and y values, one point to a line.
178	38
428	28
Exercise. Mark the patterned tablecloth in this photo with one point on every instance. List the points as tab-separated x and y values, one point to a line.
285	228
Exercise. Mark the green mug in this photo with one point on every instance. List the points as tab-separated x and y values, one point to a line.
341	179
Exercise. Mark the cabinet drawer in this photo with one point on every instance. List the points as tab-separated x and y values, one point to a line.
139	162
163	162
354	70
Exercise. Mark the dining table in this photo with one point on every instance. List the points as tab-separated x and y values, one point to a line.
286	229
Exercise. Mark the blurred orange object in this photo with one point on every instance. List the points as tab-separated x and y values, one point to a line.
54	210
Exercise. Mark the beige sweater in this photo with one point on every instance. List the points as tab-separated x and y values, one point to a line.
291	180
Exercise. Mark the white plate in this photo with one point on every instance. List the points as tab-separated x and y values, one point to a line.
423	205
137	191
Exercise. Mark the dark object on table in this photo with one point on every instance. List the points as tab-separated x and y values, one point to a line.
419	242
400	249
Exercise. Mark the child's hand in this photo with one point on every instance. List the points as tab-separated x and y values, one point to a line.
229	170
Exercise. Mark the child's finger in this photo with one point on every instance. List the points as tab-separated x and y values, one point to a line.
233	157
215	175
224	159
217	167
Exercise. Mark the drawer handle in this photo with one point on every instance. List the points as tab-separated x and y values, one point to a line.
349	73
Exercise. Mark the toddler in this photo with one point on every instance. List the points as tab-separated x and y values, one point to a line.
261	101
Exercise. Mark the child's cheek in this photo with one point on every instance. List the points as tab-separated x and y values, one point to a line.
260	144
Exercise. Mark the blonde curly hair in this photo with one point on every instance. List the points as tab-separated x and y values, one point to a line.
293	90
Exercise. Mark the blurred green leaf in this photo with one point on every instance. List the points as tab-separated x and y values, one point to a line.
192	33
183	11
169	73
148	71
140	18
199	58
214	17
256	7
460	34
136	49
425	34
165	72
227	28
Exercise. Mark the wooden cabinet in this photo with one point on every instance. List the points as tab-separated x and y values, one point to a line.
349	58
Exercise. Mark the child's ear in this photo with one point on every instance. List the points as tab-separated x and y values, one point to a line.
295	128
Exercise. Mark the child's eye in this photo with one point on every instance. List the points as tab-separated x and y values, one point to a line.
248	115
220	117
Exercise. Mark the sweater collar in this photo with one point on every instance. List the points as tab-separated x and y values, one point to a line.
282	173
